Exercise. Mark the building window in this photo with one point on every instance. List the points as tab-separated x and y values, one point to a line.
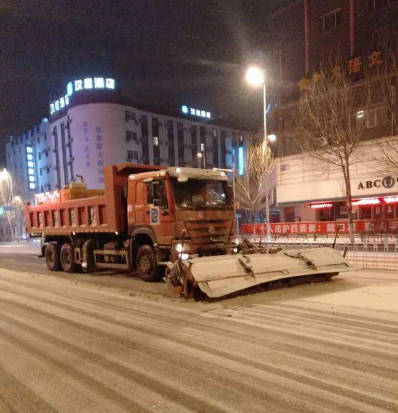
329	21
194	142
377	4
180	141
371	118
144	137
129	135
132	156
223	149
215	148
330	57
376	117
379	38
170	141
155	140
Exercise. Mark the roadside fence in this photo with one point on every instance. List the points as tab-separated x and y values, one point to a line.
376	252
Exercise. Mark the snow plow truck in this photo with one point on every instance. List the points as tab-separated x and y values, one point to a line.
171	223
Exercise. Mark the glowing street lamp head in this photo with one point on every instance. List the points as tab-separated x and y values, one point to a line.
255	76
272	138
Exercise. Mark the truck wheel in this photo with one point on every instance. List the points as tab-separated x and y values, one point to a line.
68	260
147	266
52	257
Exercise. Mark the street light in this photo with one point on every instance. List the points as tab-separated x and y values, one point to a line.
255	77
272	137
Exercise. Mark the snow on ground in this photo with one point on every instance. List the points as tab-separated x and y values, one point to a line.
72	346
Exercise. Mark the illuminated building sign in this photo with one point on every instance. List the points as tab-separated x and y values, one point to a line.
89	83
195	112
240	161
321	206
391	199
30	163
367	201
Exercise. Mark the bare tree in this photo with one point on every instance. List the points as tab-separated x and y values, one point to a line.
252	188
330	125
12	206
386	74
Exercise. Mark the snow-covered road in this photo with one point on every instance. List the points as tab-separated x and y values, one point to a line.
67	346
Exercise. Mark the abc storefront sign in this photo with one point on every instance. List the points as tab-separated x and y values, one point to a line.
387	182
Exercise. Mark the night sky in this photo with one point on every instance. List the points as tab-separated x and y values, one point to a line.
162	52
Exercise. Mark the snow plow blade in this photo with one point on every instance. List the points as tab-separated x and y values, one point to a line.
218	276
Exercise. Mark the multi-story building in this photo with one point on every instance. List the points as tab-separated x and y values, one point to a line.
307	35
93	125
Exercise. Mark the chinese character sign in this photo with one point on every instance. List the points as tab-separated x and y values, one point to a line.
195	112
89	83
354	65
323	228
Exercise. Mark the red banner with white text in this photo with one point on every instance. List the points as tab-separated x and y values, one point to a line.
325	227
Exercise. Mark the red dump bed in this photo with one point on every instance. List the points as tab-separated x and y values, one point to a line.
106	213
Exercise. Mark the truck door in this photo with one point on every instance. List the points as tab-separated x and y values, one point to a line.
158	215
139	206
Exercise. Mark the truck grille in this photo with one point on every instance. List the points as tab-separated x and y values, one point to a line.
208	231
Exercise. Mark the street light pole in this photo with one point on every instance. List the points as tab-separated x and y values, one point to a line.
265	149
256	78
265	144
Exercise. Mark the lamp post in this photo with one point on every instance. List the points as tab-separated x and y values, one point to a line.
255	77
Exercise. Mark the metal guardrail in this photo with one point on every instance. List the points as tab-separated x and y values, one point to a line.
369	252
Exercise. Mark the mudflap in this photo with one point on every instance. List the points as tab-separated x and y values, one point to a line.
220	276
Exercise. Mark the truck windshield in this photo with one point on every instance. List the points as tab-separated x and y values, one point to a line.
201	194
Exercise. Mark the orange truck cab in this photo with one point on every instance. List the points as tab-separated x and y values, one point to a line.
145	217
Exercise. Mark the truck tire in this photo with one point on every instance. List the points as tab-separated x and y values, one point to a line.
52	257
68	260
147	265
